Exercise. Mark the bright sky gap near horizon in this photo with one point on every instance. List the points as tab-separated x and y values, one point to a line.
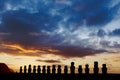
50	32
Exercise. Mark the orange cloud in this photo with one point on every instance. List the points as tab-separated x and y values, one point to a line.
15	49
21	49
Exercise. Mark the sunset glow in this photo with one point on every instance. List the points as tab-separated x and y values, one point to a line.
47	32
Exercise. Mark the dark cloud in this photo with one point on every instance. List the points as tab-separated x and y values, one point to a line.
101	33
20	24
71	51
49	61
116	45
94	12
115	32
105	43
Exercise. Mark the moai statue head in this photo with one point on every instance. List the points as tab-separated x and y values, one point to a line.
66	67
86	66
104	65
59	66
95	64
80	67
29	66
38	67
53	66
48	67
34	67
72	63
44	67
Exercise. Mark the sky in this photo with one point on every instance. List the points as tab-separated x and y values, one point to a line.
47	32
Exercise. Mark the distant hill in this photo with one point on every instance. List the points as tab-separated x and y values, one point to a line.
5	69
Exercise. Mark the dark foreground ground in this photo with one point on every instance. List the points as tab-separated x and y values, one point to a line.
16	76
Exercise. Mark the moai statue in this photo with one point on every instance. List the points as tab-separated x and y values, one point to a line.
59	69
65	69
104	69
29	69
44	70
25	69
48	69
72	68
53	69
20	69
86	69
96	69
34	69
39	69
80	69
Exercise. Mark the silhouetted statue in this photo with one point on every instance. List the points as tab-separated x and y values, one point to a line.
44	70
96	69
38	69
25	69
86	69
59	69
80	69
29	69
34	69
20	69
48	69
72	68
65	69
53	69
104	69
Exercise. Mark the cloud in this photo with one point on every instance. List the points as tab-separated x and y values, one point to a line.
101	33
77	28
70	51
115	32
116	59
49	61
63	51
